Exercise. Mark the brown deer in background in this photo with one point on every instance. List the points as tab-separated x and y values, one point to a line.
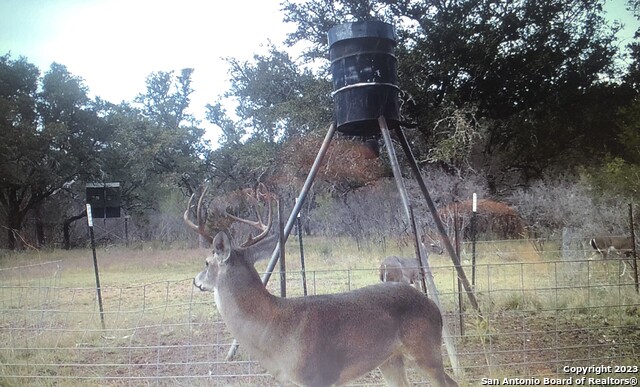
406	269
622	246
322	340
399	269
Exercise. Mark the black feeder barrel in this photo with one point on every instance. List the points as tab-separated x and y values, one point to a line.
364	70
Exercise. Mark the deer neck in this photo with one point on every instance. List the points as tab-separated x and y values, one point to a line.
244	303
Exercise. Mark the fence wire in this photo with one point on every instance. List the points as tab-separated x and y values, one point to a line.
538	319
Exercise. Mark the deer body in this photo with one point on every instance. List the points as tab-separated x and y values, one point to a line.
324	340
622	246
403	269
605	245
399	269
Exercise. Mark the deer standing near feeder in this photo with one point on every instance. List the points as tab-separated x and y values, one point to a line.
406	269
322	340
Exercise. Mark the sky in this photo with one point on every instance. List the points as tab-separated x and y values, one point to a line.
115	44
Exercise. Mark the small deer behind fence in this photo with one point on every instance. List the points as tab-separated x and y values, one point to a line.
621	246
406	269
399	269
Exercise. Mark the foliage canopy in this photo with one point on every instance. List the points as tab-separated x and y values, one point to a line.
503	93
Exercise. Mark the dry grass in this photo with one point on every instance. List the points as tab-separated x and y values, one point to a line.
540	313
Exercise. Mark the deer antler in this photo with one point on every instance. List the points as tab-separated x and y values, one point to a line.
200	228
267	197
260	194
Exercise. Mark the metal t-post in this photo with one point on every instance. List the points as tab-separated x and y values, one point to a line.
95	263
634	256
474	237
302	269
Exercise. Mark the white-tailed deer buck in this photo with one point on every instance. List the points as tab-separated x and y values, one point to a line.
323	340
621	246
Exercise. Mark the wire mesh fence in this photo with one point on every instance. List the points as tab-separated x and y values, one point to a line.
539	319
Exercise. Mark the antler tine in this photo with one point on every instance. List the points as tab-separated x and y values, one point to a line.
200	227
264	228
261	196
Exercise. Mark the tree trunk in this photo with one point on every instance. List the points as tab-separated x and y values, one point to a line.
39	224
66	226
14	223
40	239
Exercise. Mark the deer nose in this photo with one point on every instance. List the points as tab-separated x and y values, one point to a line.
198	286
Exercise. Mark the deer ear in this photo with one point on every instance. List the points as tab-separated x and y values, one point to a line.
222	246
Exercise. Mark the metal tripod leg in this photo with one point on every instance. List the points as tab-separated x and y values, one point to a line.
424	263
432	208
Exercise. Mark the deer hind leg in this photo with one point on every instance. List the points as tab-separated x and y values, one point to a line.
393	371
428	358
435	372
625	263
624	268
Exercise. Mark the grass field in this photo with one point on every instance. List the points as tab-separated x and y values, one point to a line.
540	314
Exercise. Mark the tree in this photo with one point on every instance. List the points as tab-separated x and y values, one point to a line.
151	146
156	146
619	176
633	72
533	70
166	99
236	166
277	99
49	137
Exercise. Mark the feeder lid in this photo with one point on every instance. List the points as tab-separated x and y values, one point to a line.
362	29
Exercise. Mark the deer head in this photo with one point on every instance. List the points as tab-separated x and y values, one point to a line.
228	257
431	244
400	269
224	252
